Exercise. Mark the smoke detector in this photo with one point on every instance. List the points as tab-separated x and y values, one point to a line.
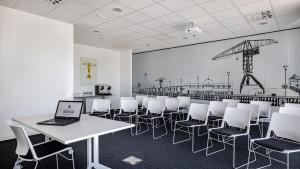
193	30
260	16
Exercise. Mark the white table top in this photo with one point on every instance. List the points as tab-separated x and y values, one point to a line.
87	127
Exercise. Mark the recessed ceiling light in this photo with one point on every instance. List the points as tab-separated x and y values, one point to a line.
263	23
101	16
96	31
116	9
184	37
147	44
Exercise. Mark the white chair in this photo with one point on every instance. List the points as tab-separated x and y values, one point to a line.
140	99
254	109
101	108
216	111
184	102
128	110
264	113
236	123
28	152
145	103
292	111
283	136
197	118
292	105
171	107
153	114
231	102
122	98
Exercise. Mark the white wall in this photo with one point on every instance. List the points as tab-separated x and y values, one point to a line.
36	65
190	61
126	73
112	68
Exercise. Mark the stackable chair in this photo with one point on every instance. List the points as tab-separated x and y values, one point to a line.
236	123
216	111
231	102
254	109
292	111
283	137
101	108
122	98
145	104
197	118
140	99
292	105
171	106
162	98
28	152
184	104
264	113
128	110
153	114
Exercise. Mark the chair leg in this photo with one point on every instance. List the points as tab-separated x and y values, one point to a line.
36	164
56	157
288	161
174	135
73	160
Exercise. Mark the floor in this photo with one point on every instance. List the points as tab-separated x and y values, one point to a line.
156	154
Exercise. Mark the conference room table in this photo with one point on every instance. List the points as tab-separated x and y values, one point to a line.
88	128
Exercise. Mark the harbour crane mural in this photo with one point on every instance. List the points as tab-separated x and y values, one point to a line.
248	48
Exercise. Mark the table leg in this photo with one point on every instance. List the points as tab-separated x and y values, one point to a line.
93	154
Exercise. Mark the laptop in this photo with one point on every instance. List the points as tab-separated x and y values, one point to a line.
67	112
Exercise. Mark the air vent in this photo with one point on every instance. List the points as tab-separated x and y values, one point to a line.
259	16
54	2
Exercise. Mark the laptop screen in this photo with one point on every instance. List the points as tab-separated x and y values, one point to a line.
69	109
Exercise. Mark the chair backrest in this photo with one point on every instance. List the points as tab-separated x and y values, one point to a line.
237	117
292	110
198	111
285	126
253	108
163	98
231	102
292	105
140	99
23	142
129	106
101	105
171	104
264	107
184	101
217	108
155	106
146	101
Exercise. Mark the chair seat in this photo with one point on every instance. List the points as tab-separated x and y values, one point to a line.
169	111
45	149
228	131
253	122
214	118
278	145
149	116
190	123
125	114
99	113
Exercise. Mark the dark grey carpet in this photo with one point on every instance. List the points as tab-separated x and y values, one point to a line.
156	154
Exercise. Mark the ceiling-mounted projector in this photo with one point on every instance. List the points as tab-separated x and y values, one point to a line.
193	30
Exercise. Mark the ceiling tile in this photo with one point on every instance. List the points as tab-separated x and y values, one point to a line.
226	14
152	24
63	15
287	10
101	16
137	28
76	7
120	23
280	3
155	10
137	17
35	6
136	4
234	21
217	5
244	2
171	18
256	7
192	12
213	25
150	32
176	5
96	3
161	37
8	3
108	9
86	22
203	20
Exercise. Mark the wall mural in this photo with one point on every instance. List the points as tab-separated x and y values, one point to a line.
243	71
88	71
